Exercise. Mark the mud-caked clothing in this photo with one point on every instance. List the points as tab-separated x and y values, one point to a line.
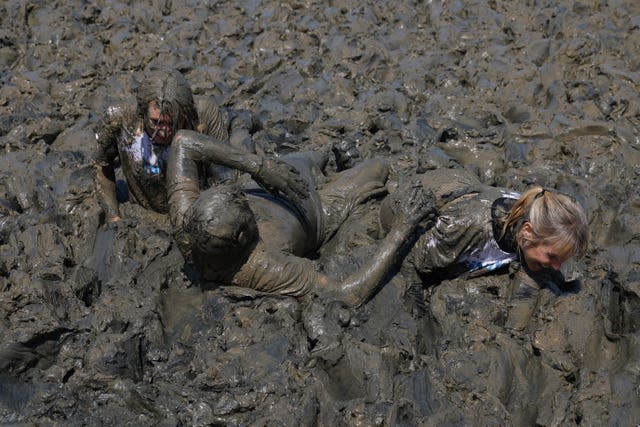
121	136
467	236
277	272
279	266
271	270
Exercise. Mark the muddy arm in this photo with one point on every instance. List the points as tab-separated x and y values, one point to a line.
360	286
104	154
106	192
274	175
187	150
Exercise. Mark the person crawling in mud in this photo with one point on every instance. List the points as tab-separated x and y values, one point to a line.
481	228
140	136
260	236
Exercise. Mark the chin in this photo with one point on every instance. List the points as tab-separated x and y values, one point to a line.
533	266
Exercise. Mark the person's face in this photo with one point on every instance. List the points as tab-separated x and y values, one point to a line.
543	256
160	126
540	256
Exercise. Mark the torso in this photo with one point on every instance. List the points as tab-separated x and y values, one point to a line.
143	164
465	237
281	227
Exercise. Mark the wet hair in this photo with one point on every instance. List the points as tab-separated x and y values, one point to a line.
220	224
556	219
172	93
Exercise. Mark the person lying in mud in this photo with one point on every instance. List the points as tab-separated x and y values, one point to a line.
260	239
140	136
482	228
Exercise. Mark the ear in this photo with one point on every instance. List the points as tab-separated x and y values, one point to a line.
527	230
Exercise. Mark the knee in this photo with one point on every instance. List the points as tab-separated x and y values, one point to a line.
376	169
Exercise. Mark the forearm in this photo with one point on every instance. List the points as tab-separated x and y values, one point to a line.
360	286
183	187
104	153
106	192
202	148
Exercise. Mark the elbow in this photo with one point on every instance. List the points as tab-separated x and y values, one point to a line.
352	297
354	301
340	292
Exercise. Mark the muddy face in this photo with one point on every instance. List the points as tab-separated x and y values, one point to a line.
221	227
543	256
161	127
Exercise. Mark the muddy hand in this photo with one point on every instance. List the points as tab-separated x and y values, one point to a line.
416	205
278	176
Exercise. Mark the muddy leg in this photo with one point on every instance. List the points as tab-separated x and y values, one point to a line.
349	189
310	164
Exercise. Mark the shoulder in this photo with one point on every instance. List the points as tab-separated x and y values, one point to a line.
499	211
120	114
277	272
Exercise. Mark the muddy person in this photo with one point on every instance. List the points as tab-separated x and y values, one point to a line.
260	236
140	136
481	228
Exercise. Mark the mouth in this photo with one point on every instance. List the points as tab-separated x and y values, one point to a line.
161	135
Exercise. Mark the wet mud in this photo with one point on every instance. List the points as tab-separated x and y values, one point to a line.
102	325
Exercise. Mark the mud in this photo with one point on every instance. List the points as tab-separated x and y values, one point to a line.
101	325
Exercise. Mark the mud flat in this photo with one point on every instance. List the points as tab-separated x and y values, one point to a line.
101	325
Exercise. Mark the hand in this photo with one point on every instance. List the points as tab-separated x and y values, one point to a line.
414	205
277	176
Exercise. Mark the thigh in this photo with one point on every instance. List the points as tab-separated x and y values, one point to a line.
310	164
351	188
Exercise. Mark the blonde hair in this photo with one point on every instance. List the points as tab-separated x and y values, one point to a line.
555	219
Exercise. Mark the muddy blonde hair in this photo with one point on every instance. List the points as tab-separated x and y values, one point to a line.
171	91
555	219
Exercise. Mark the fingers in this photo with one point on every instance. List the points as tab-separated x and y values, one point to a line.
418	203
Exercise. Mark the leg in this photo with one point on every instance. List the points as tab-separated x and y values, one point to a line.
350	188
310	164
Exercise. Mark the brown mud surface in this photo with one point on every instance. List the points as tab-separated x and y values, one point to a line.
100	324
